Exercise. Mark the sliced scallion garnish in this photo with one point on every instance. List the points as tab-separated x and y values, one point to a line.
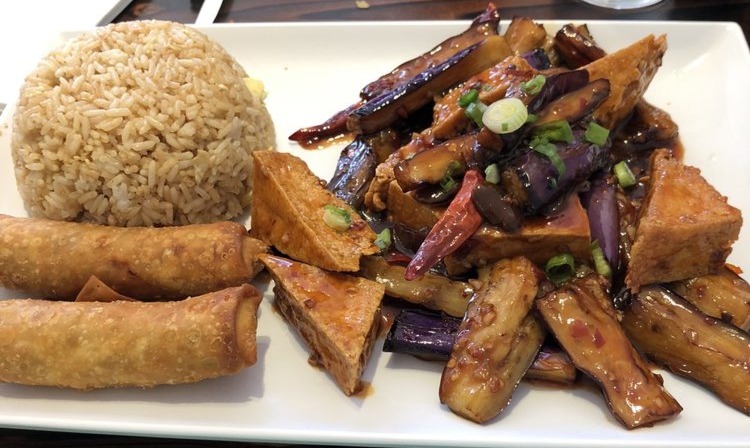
625	177
383	240
560	268
549	150
600	263
554	131
505	116
475	111
468	98
596	134
492	174
534	85
336	217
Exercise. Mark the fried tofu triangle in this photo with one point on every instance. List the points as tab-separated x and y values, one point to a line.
92	345
336	314
686	228
55	259
289	208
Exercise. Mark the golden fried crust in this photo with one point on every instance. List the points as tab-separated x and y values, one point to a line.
90	345
686	228
288	208
629	71
55	259
336	314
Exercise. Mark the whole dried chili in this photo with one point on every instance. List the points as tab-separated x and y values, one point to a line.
460	220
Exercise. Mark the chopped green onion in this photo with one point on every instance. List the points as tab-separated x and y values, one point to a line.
492	174
475	111
560	268
596	134
468	98
550	151
505	115
554	131
624	176
600	263
534	85
336	218
448	183
531	118
383	240
454	167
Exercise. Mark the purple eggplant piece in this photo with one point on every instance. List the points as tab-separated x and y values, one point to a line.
538	59
575	105
533	181
423	334
600	202
355	170
556	85
576	47
485	24
336	125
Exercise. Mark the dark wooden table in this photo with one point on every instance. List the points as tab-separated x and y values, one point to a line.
335	10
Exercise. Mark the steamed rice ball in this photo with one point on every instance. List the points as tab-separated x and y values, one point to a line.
138	123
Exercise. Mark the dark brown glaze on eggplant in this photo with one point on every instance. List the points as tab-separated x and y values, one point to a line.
724	295
332	127
496	343
432	165
524	35
675	334
576	47
574	105
580	315
486	24
355	168
552	365
431	291
398	103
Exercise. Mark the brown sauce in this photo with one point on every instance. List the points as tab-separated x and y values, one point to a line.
323	143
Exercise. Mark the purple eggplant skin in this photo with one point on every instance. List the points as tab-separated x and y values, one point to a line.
573	106
600	202
576	47
533	181
336	125
485	24
423	334
355	168
538	59
557	85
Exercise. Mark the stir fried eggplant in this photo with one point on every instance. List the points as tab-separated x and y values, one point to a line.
436	164
576	47
600	203
398	103
356	166
582	319
432	291
678	336
534	181
430	336
724	295
575	105
496	342
524	35
486	24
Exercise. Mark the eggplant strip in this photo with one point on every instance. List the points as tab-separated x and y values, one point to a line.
398	103
724	295
430	336
485	24
496	342
582	319
431	291
681	338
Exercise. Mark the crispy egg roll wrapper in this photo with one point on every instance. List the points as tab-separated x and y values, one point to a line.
91	345
55	259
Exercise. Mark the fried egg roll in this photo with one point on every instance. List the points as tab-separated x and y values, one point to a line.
55	259
92	345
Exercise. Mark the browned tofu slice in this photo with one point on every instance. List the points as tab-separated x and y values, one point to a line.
685	229
288	213
629	71
337	315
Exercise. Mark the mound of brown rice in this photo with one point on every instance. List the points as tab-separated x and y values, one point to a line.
138	123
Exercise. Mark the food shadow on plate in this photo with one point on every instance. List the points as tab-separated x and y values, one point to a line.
245	386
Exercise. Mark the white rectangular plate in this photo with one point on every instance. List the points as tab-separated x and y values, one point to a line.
313	70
